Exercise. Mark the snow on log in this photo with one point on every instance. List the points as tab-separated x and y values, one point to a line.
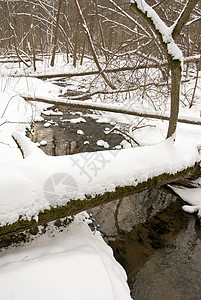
160	28
115	108
26	147
40	188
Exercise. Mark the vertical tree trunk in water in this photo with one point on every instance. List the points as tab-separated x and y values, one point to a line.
175	66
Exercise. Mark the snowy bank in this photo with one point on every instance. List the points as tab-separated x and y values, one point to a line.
75	264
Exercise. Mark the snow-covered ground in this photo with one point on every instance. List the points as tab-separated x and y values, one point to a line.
75	264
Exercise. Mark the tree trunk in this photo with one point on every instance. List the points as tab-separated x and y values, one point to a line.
32	33
175	67
110	108
91	44
13	233
56	33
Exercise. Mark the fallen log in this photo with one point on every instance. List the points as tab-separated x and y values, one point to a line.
14	233
112	108
124	172
95	72
192	59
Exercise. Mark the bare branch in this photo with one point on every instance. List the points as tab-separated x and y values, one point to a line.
93	51
183	18
86	73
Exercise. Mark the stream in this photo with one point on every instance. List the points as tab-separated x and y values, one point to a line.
158	244
160	252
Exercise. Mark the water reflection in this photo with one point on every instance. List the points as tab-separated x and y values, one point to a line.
159	251
162	256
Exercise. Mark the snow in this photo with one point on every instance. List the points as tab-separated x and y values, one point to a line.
139	110
94	173
49	267
103	144
53	266
47	124
166	32
125	144
52	113
118	147
30	86
17	114
79	131
75	264
43	143
75	121
192	196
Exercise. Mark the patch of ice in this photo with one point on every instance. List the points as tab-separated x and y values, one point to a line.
76	113
191	196
107	130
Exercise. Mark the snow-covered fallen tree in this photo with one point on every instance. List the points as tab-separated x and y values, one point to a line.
40	188
116	108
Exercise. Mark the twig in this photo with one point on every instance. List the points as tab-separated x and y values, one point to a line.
123	133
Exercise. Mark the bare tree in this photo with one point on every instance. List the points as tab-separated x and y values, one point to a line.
56	32
141	8
91	44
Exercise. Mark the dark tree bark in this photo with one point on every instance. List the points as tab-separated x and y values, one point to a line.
175	67
32	36
56	33
184	17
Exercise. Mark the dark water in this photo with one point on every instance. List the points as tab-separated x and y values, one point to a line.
162	257
158	245
62	136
